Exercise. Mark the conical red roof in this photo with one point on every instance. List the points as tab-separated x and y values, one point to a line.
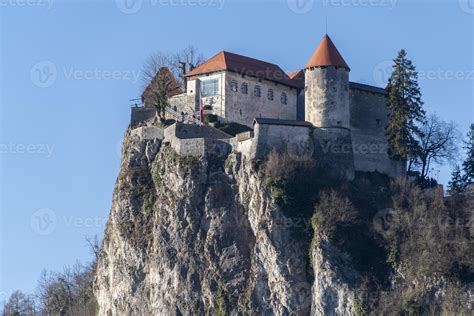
326	55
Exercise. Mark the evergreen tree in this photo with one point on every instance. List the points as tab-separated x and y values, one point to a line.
405	108
468	164
457	183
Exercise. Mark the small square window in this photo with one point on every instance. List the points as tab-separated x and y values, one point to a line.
257	91
244	88
284	98
270	94
234	86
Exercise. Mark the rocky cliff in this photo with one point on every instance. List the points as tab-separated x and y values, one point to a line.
205	236
223	235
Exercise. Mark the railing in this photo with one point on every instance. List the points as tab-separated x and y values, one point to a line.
184	118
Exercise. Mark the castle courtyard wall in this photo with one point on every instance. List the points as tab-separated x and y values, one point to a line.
331	147
333	151
369	118
290	139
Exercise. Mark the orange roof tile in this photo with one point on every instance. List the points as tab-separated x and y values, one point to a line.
164	75
298	77
326	55
243	65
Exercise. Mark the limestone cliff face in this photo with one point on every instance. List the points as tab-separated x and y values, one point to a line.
203	236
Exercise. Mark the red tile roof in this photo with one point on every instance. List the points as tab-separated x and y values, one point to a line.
298	77
164	75
326	55
244	65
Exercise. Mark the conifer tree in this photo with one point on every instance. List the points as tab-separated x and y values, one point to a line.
405	109
457	183
468	164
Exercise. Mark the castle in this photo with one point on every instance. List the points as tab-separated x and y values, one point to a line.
315	111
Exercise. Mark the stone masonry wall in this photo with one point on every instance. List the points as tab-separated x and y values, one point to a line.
244	108
369	117
331	147
327	97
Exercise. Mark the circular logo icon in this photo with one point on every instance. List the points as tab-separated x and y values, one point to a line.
129	6
300	6
301	147
382	73
467	6
43	74
43	221
386	221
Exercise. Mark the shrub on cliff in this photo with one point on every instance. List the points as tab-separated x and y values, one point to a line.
429	246
293	181
333	210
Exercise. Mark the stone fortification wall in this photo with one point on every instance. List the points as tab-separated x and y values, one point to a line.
327	97
369	118
140	114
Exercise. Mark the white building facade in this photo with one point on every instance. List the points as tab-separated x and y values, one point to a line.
239	90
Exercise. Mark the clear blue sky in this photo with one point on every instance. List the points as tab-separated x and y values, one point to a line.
68	69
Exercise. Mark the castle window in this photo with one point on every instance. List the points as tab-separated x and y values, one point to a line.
379	122
244	88
209	88
270	94
284	98
257	91
234	86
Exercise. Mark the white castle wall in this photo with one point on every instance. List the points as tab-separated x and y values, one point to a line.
235	106
244	108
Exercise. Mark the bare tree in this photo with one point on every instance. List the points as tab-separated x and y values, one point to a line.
69	292
94	246
438	145
19	304
163	76
178	63
190	57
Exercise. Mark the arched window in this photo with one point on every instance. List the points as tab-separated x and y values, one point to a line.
244	88
234	86
257	91
284	98
270	94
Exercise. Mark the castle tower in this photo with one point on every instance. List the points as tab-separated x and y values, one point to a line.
327	87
